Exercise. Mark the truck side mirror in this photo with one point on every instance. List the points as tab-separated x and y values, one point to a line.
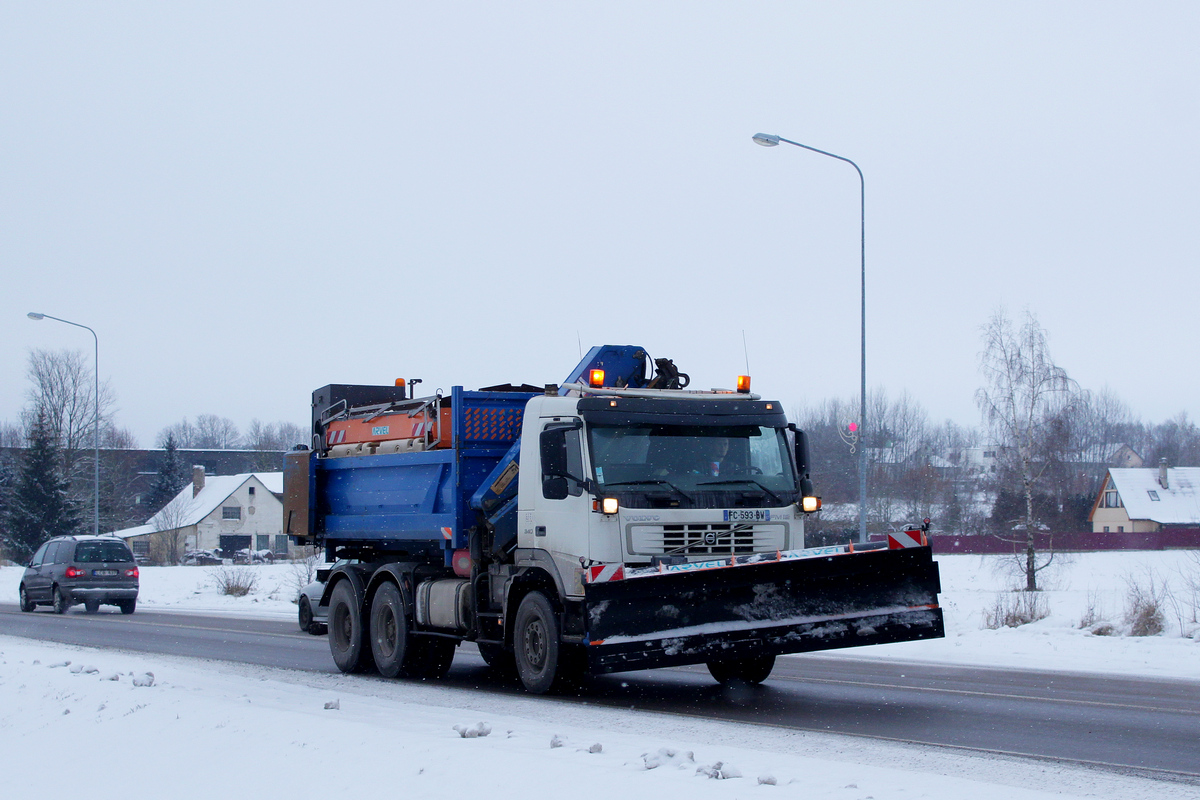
555	488
801	453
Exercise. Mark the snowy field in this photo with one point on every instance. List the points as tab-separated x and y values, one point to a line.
204	728
128	726
971	586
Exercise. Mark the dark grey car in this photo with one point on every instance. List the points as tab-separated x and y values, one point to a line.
81	569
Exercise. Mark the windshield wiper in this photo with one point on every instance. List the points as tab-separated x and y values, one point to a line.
659	481
776	497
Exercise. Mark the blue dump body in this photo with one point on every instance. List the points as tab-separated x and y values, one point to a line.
417	502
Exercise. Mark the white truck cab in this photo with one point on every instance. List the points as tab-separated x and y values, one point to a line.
632	480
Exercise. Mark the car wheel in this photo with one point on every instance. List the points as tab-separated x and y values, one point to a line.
91	606
535	642
127	606
348	641
60	602
747	670
26	603
305	614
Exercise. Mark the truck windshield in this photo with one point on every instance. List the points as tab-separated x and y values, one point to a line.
700	466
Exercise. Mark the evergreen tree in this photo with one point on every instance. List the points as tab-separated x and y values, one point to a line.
172	476
39	507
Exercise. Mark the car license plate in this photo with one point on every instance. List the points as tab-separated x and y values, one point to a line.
104	572
746	515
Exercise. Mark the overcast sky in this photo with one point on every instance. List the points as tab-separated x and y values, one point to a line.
250	200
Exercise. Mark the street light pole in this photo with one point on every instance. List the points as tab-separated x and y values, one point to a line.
771	140
96	424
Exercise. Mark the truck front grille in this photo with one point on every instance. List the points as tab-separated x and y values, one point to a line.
714	539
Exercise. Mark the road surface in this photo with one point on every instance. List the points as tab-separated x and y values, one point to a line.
1134	725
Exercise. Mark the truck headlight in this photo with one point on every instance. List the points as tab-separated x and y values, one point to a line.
609	505
809	504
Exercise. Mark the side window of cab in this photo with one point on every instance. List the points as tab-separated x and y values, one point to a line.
39	556
562	462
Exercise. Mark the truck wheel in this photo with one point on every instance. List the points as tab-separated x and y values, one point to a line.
535	641
347	632
26	603
394	651
748	670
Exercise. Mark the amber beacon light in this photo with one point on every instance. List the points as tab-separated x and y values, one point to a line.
743	384
596	378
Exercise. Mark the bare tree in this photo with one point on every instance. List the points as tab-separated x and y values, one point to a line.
216	433
11	435
210	432
1026	399
183	433
170	524
1177	440
63	392
275	436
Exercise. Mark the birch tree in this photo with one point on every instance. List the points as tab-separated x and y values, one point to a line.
1025	399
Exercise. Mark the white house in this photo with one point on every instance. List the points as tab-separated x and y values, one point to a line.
226	512
1145	500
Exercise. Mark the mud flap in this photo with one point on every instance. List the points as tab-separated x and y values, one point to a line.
770	607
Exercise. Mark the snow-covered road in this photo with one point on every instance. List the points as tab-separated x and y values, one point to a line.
211	729
203	727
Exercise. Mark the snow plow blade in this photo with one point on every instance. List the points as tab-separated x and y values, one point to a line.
742	607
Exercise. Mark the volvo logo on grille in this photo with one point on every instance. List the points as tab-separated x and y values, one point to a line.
710	538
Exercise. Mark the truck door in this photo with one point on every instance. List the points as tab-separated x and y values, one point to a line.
562	507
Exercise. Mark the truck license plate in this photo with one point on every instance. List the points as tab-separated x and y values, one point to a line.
747	515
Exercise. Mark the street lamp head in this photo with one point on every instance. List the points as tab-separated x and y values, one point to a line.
766	139
35	315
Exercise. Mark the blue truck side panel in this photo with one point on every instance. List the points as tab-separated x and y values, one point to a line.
418	502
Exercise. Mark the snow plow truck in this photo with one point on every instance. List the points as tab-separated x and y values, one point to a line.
618	521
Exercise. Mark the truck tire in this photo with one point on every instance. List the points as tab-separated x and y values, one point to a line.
747	670
348	642
392	646
535	643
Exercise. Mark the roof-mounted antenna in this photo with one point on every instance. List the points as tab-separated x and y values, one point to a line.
746	351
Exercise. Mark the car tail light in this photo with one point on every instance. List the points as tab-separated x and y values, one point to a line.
75	572
131	573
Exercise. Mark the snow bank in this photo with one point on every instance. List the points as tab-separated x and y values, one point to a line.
1074	584
201	729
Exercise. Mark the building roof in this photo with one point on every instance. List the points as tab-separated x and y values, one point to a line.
185	510
1178	504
